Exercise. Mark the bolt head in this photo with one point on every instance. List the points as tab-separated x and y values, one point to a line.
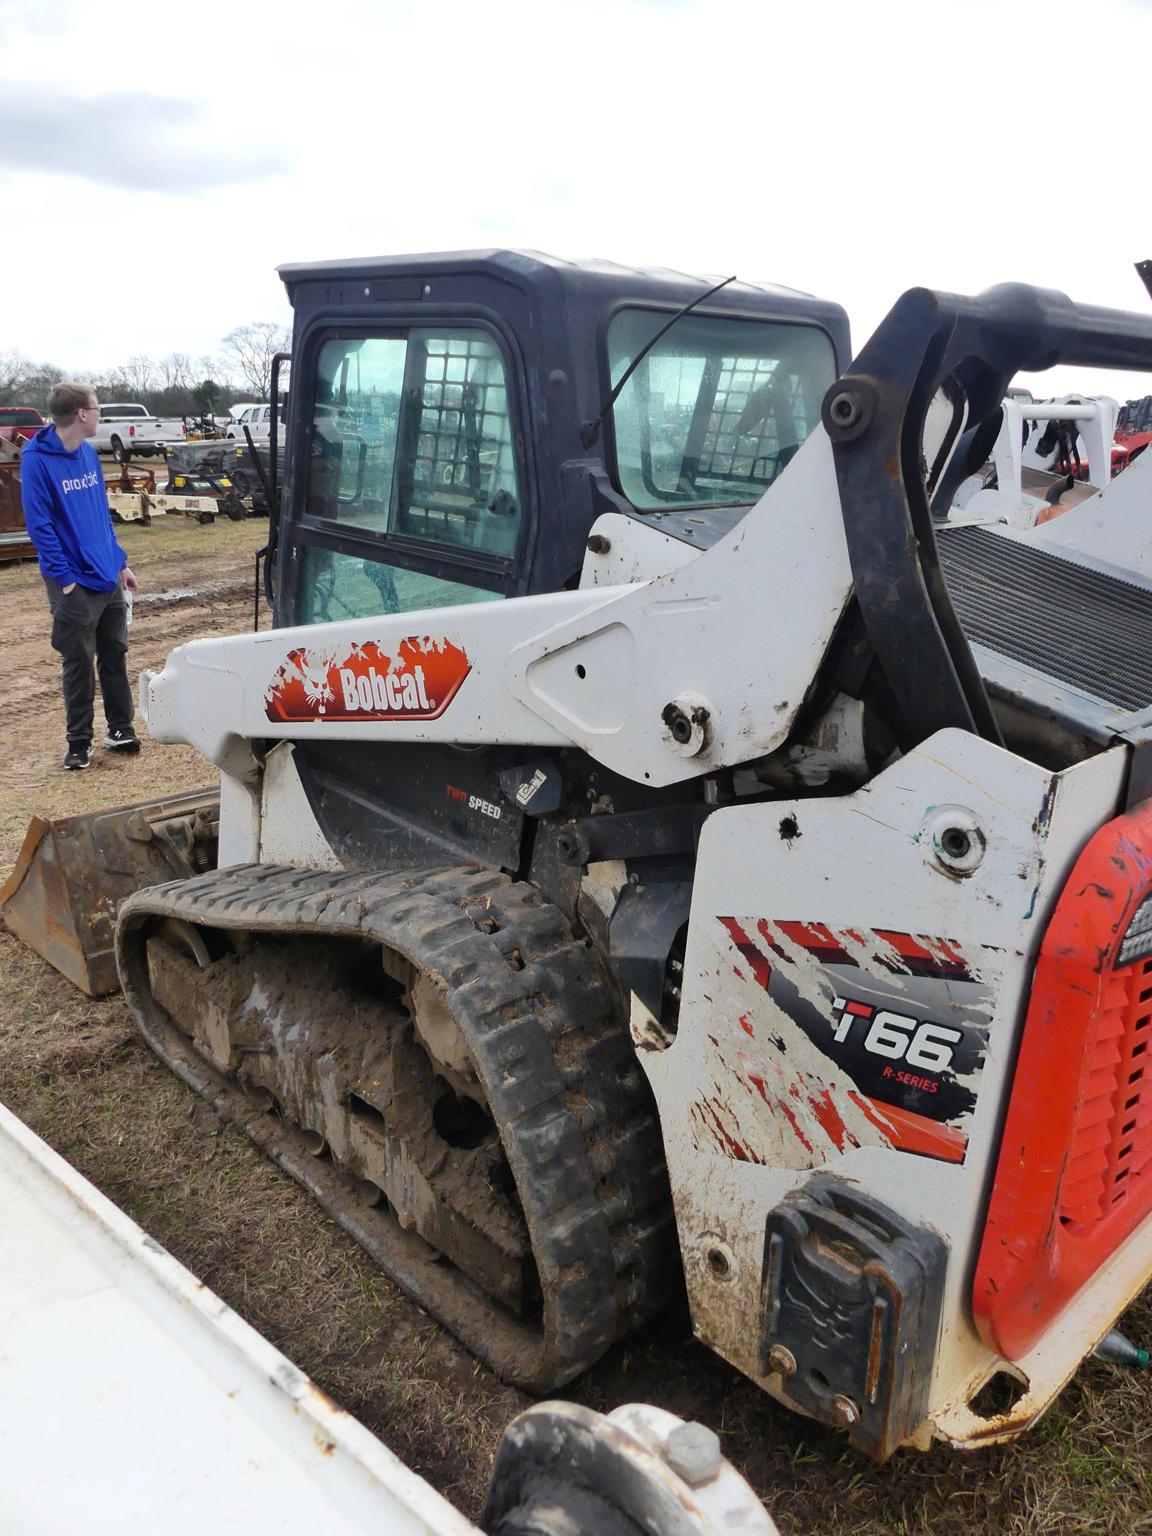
781	1361
687	721
693	1453
956	842
845	409
843	1411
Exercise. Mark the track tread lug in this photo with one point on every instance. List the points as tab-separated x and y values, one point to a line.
556	1061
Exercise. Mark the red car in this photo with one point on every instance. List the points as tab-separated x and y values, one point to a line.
20	422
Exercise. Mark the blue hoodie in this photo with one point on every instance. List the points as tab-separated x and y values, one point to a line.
66	510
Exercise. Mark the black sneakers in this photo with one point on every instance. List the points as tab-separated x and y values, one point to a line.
122	739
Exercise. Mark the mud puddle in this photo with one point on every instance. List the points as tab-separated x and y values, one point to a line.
211	592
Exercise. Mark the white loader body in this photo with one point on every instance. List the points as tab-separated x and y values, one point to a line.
870	991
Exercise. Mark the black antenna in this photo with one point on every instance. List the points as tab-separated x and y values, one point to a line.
1144	270
590	430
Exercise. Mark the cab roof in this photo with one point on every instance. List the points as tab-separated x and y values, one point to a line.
589	280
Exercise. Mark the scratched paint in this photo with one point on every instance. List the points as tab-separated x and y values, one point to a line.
713	1121
778	1109
779	1098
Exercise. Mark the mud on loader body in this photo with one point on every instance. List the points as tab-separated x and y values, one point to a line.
774	890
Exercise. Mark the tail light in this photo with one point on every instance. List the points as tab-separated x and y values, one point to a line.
131	431
1074	1177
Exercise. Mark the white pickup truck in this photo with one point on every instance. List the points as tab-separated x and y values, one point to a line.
258	420
129	430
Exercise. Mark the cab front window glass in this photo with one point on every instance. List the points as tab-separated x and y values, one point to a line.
716	409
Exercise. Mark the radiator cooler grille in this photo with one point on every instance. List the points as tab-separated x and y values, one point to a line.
1085	628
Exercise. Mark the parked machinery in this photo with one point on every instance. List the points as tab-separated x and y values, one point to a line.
759	894
14	541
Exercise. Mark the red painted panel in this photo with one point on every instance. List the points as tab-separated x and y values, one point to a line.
1074	1176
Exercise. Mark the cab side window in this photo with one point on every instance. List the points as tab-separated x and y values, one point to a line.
412	487
336	586
411	435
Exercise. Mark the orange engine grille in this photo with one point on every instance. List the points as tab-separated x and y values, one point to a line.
1074	1175
1111	1146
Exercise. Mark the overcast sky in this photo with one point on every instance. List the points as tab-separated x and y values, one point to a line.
157	162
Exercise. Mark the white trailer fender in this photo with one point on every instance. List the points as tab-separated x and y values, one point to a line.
133	1399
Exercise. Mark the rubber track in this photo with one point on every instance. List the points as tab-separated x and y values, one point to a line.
556	1063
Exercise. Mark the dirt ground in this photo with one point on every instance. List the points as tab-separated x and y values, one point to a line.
76	1072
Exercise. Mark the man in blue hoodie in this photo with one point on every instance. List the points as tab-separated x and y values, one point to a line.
84	569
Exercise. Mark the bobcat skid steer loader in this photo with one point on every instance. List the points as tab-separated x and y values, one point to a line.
773	909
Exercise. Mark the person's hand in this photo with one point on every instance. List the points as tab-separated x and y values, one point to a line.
130	581
71	587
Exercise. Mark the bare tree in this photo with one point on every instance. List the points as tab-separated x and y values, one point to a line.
34	384
251	349
23	382
216	367
176	370
140	372
112	384
13	367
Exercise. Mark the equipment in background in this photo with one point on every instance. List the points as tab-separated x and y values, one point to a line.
223	472
205	480
199	477
1049	456
131	494
14	541
1133	432
201	429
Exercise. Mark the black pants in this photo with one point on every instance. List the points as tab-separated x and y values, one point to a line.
90	631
